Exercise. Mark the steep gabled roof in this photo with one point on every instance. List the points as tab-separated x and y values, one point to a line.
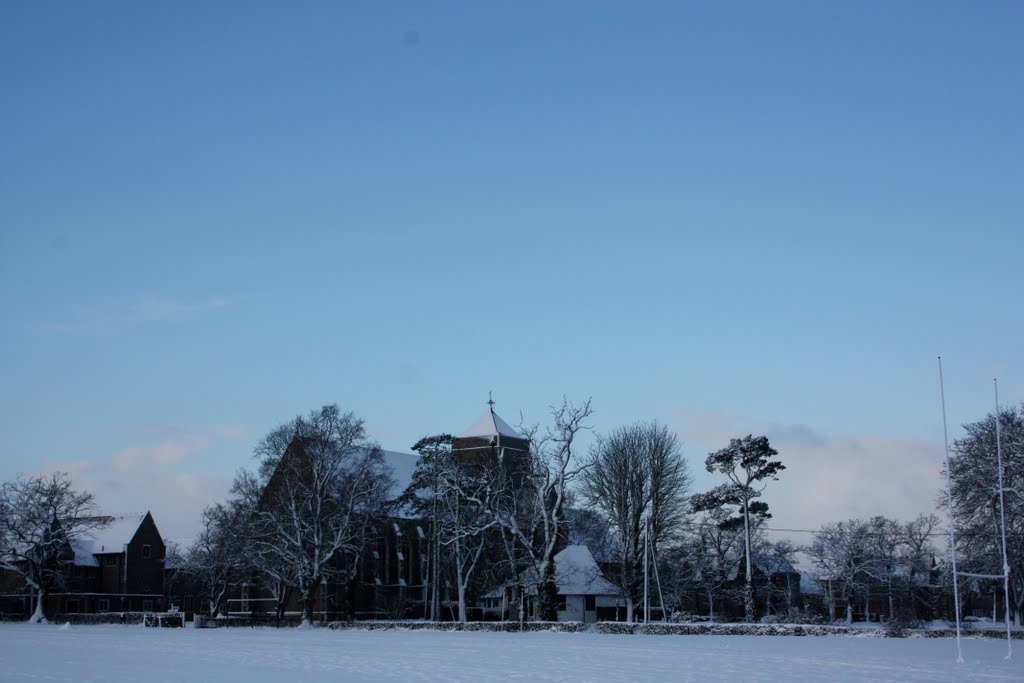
576	573
111	538
402	467
490	424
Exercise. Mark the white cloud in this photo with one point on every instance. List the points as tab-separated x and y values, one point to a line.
159	473
828	478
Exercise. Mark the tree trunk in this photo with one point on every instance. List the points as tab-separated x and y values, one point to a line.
39	615
308	602
462	602
748	592
547	596
748	601
789	595
460	567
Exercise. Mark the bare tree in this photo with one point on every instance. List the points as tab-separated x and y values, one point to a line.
464	531
589	527
41	517
636	474
974	479
840	552
918	555
707	557
747	464
456	496
776	558
273	571
883	544
217	555
324	486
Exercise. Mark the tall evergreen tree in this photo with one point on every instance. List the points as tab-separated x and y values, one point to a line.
748	465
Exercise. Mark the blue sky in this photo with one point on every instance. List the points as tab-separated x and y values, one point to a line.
730	217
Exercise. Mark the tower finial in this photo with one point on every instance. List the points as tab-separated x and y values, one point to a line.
490	400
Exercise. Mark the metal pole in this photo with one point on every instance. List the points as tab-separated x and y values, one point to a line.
657	580
949	499
1002	527
647	604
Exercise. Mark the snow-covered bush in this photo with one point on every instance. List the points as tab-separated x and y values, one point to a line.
900	623
807	617
774	619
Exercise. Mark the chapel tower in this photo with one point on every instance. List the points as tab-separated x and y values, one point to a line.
490	441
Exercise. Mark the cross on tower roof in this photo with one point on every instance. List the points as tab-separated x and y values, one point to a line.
490	424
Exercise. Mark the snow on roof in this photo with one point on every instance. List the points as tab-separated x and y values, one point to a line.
490	424
111	538
402	466
576	573
774	564
809	585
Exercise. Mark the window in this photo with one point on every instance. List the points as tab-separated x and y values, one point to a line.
147	551
103	605
591	601
72	606
560	605
147	605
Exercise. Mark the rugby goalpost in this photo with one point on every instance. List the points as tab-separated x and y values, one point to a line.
1005	575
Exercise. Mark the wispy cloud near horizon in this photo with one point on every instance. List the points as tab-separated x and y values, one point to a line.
828	477
157	472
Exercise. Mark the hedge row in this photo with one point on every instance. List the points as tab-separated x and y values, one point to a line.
247	622
99	618
491	626
710	629
704	629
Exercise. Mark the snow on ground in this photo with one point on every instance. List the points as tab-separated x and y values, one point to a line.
133	653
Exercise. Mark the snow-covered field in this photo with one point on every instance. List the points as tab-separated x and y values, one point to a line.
133	653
